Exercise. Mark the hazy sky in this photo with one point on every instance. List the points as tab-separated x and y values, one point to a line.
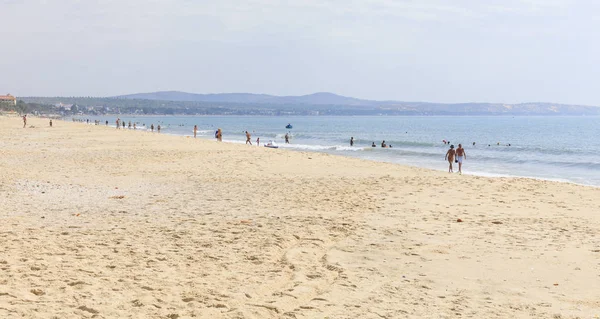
423	50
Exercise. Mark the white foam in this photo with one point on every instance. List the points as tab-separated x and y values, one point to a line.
321	147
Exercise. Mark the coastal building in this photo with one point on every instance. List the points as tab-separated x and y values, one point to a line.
8	100
66	107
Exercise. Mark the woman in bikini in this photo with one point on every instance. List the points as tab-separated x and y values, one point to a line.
450	157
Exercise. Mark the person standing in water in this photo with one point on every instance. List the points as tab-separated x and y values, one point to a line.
195	130
351	141
287	138
258	141
152	127
158	128
450	157
248	136
219	135
460	155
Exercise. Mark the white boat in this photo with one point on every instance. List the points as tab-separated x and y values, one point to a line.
271	144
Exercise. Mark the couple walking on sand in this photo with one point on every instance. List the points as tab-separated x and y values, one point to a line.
459	153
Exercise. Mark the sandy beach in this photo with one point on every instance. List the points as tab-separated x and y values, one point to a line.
106	223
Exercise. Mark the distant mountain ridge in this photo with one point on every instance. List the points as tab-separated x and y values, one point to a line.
321	103
387	107
319	98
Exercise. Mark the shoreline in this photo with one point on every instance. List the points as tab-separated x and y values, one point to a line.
110	223
481	174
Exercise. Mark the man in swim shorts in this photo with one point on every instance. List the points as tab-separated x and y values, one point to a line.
248	136
450	157
460	155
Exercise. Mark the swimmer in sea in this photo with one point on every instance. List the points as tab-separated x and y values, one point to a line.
373	145
450	157
383	144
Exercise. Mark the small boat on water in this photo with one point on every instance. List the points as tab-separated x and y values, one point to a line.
271	144
289	126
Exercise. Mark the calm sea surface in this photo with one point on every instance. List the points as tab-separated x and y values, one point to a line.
554	148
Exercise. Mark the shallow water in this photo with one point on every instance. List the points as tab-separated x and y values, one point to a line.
554	148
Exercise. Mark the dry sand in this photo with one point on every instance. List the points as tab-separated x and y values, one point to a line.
106	223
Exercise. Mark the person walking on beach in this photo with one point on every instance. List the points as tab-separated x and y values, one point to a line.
219	135
118	123
450	157
258	141
158	128
351	141
248	138
195	130
50	122
460	155
24	120
152	128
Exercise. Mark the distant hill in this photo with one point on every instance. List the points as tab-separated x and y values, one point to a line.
322	103
377	107
321	98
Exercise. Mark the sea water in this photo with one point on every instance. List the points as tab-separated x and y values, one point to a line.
551	147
